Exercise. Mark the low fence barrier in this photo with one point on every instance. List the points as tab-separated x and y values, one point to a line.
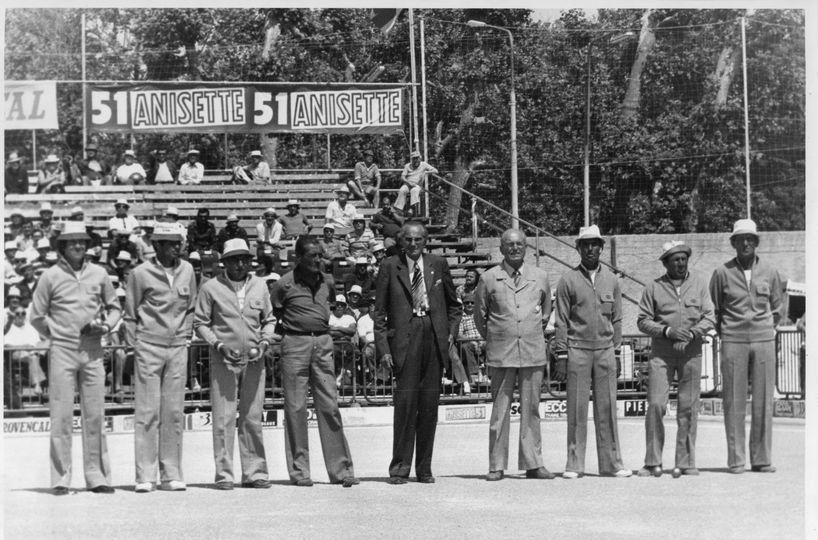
362	380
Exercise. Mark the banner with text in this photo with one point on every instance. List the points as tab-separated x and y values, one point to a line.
31	105
258	108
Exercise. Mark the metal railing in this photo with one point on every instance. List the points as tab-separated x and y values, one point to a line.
791	360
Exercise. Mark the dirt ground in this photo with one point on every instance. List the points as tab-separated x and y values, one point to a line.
461	504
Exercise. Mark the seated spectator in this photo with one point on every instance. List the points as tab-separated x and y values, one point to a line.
471	278
201	234
123	265
161	170
365	328
361	277
25	240
28	283
20	333
340	212
195	261
342	329
51	258
265	266
331	248
367	180
269	232
472	345
122	222
16	179
116	356
94	171
10	268
191	171
43	247
130	173
387	223
121	242
413	179
257	172
51	178
355	300
12	303
360	240
270	280
231	230
143	242
378	254
94	255
172	216
47	225
17	222
294	223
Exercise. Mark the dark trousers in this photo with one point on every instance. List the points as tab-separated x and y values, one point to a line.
417	394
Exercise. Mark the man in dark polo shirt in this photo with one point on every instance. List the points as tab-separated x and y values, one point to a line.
301	303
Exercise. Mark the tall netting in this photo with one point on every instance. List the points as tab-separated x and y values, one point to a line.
666	144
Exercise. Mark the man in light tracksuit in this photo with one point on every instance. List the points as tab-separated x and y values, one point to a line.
676	312
747	297
159	302
235	317
74	305
588	330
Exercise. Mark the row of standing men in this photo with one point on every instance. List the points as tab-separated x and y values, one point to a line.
416	314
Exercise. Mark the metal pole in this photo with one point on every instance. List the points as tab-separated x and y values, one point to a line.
84	87
515	210
586	182
423	90
226	148
415	145
746	119
34	148
329	153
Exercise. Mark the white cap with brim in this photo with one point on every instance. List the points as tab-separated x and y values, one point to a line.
166	232
46	207
52	158
744	226
255	153
589	233
77	211
73	230
330	226
172	211
193	151
235	247
292	202
672	247
124	256
272	277
10	244
358	217
13	291
378	247
361	260
43	243
270	211
340	299
14	158
51	256
342	189
130	153
194	256
232	217
356	289
122	201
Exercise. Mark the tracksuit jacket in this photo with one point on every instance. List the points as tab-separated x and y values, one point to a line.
661	307
589	315
237	329
65	301
155	312
746	313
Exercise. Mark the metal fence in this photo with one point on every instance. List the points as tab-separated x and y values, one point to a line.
362	380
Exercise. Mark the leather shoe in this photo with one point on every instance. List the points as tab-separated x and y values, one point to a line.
304	482
224	485
494	476
540	473
427	479
692	471
763	468
259	483
350	481
397	480
739	469
60	490
102	489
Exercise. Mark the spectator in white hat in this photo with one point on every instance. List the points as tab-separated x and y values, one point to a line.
360	240
256	172
172	216
235	317
361	277
367	180
747	295
588	334
9	266
74	305
51	177
268	234
19	333
342	328
676	312
294	223
191	171
130	172
413	178
332	249
340	212
122	221
201	233
94	170
16	179
159	305
161	170
47	225
231	230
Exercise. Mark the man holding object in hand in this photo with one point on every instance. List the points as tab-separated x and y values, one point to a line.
676	312
73	305
235	317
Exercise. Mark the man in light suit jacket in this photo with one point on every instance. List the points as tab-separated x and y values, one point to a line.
417	314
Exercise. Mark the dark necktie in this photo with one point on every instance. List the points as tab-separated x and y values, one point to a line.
517	278
417	289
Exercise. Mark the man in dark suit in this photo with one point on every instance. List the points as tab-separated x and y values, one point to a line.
417	314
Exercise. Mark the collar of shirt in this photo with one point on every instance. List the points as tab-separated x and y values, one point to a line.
411	264
511	271
301	277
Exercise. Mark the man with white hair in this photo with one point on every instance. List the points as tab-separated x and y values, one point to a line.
191	171
294	223
121	220
257	172
676	312
588	333
130	172
340	212
747	297
268	234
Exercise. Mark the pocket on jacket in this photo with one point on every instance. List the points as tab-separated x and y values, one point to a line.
183	291
606	301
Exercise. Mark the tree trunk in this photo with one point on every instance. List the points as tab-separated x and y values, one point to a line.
269	145
723	76
630	105
192	62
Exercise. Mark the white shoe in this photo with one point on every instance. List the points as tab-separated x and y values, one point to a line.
196	386
570	475
173	485
143	487
466	388
623	473
446	382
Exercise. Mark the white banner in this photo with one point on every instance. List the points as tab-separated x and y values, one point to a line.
31	105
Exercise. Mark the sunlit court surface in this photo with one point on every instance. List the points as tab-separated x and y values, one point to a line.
460	504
